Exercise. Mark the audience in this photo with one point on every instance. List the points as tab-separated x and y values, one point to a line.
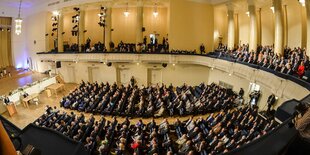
149	101
218	133
293	62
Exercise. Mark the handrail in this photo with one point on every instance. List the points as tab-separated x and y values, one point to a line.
262	138
281	75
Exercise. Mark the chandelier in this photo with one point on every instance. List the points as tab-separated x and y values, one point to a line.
18	21
126	13
155	13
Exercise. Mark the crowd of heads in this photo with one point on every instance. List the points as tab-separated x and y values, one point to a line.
293	62
217	133
151	101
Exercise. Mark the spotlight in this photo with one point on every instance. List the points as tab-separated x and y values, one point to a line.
109	64
56	13
164	65
173	64
76	9
101	14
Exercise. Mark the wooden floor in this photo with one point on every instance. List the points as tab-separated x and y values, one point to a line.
25	115
19	78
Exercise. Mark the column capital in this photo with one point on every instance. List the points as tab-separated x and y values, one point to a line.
251	2
139	3
230	6
108	4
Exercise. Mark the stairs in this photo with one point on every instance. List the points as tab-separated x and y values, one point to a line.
306	99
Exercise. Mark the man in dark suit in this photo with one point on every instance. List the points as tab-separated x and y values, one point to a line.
271	100
6	100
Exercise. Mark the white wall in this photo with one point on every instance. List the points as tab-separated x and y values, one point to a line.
35	32
177	75
19	50
23	46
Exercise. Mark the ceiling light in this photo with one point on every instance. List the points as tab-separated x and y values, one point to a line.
18	21
155	13
302	2
272	9
56	13
126	13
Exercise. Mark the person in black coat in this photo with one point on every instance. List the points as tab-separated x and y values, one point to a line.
271	100
6	100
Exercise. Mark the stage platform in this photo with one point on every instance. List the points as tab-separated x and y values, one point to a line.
19	78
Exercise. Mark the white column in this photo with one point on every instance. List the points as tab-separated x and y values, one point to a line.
231	27
308	26
278	43
259	27
60	40
253	26
285	26
139	21
108	27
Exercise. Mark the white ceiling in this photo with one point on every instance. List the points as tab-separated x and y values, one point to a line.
10	7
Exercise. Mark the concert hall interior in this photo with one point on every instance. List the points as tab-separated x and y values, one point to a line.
154	77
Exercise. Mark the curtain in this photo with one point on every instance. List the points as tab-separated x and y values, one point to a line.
5	42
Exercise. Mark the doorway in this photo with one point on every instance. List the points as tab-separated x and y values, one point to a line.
71	74
154	77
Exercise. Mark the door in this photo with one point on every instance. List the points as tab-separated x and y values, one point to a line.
124	76
156	77
71	75
94	74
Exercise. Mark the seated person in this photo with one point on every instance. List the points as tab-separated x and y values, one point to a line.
25	94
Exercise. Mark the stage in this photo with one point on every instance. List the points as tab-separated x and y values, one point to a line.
19	78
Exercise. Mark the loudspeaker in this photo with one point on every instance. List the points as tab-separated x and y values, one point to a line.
306	76
109	64
143	29
164	65
31	150
58	64
286	110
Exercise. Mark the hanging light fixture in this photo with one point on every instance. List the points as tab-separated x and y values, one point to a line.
18	21
126	13
155	13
